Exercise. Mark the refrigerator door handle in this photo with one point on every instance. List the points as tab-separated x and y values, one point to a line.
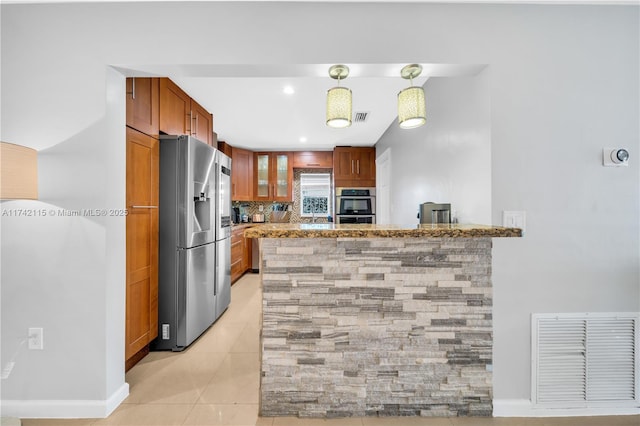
215	278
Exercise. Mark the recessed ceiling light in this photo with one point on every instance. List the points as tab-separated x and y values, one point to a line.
303	140
289	90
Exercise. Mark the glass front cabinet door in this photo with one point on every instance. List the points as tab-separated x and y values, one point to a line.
262	190
273	176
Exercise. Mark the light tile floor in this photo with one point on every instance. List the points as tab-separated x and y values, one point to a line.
216	382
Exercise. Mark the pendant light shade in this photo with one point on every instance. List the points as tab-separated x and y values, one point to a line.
18	172
412	110
339	99
339	107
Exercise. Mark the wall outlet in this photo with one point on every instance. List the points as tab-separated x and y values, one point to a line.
261	208
514	219
36	338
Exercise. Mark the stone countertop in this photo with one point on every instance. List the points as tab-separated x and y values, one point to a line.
245	225
331	230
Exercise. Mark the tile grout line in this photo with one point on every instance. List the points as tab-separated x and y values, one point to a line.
193	405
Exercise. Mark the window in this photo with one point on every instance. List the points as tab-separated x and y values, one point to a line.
315	192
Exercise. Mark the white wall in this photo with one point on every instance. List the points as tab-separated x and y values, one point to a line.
64	271
563	83
449	159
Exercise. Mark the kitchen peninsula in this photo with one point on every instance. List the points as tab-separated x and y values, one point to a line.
366	320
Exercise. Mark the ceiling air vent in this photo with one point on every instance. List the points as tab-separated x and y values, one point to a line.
360	117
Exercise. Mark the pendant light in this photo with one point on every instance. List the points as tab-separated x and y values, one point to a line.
18	172
412	111
339	99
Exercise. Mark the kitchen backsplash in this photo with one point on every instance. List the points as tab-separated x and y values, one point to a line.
253	207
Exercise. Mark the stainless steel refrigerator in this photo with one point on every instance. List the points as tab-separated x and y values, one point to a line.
190	293
223	233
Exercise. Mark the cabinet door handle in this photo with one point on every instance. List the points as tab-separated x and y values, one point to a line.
233	188
358	163
193	129
313	164
351	166
133	88
144	207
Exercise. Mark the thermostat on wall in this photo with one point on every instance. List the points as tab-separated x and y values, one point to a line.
615	157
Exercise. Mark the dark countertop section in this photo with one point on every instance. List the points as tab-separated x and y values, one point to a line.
331	230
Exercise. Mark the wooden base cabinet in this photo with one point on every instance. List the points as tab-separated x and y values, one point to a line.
142	194
241	253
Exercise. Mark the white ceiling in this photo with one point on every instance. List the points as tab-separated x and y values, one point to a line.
251	110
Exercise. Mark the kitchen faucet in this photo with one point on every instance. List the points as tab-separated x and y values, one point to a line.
313	212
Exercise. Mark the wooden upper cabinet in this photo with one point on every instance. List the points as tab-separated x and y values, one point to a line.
142	197
354	167
272	176
143	105
201	124
175	109
225	148
313	160
181	115
366	165
241	174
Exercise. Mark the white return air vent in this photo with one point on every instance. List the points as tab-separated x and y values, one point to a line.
585	360
360	117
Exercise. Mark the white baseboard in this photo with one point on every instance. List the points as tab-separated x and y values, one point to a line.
524	408
65	409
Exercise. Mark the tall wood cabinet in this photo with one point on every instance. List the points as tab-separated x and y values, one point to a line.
154	106
181	115
354	167
272	176
142	196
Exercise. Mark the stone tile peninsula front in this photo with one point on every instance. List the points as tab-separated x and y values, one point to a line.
370	320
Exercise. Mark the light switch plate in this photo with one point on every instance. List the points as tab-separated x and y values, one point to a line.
514	219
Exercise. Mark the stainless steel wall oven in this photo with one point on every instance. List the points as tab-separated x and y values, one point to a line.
355	205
